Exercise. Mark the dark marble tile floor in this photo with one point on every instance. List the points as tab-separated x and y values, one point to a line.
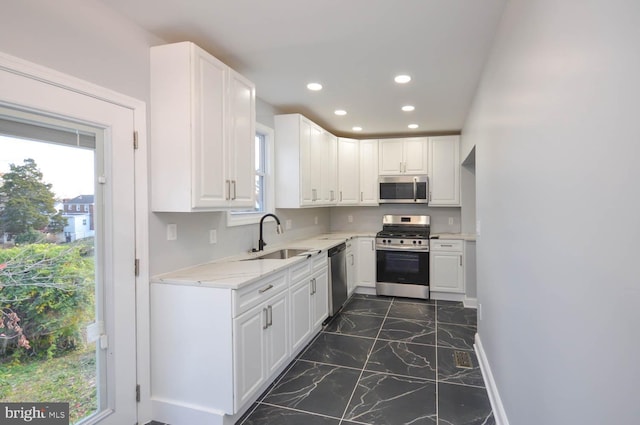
382	360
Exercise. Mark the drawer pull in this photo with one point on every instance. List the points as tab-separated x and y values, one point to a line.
449	246
265	289
269	316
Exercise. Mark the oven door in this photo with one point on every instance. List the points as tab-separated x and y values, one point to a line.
402	266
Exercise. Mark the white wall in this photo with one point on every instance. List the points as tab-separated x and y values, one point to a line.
556	125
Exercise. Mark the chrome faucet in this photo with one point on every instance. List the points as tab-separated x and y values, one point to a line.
261	242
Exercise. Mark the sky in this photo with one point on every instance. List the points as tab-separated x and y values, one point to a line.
68	169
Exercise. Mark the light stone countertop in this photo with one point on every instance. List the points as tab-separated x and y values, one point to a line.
236	272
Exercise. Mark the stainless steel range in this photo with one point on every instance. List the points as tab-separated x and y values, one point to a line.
402	256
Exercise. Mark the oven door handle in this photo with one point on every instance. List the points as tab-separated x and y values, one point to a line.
405	249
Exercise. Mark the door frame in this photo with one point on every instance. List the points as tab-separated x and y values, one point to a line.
38	72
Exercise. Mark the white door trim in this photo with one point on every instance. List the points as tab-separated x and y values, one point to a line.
34	71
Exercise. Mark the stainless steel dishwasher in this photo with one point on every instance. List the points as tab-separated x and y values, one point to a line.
337	278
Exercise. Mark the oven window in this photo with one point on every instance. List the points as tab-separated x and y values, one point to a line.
402	267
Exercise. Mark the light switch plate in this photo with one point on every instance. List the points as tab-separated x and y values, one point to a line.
172	232
213	236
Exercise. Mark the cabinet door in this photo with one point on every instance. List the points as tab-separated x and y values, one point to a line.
277	335
348	172
210	182
444	171
315	164
249	349
351	268
241	140
320	298
306	195
300	314
368	172
446	272
391	159
366	262
329	169
416	153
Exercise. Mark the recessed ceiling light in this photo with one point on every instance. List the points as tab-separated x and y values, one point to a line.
413	126
340	112
402	79
408	108
357	128
314	86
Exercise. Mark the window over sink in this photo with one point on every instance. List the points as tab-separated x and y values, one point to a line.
264	143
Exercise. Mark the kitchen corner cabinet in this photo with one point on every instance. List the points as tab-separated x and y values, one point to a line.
366	262
403	156
306	156
446	270
444	171
348	171
202	132
369	172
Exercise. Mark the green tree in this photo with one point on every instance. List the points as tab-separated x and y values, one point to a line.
27	203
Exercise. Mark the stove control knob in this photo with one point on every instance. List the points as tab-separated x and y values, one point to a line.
401	241
419	242
415	242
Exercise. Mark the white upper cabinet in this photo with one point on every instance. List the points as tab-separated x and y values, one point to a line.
444	171
305	160
403	156
202	132
368	172
348	172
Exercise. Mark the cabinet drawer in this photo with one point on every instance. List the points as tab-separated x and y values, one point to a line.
299	271
319	261
254	294
445	245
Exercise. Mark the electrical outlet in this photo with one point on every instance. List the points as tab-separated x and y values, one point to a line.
172	232
213	236
450	221
288	224
350	219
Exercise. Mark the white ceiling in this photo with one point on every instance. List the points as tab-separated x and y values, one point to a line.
353	47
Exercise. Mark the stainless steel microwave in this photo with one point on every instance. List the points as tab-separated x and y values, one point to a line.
404	189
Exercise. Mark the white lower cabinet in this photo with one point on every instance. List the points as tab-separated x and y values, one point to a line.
352	278
446	270
366	262
319	297
213	350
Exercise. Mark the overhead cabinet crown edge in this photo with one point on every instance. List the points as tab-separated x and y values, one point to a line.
202	132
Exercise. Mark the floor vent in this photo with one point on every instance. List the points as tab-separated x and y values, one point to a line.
462	359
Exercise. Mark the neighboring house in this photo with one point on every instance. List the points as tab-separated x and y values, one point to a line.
78	227
81	204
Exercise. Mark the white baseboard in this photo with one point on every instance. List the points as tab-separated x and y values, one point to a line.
492	390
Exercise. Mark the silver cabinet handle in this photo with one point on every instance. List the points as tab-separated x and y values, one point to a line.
265	289
340	196
361	196
269	316
401	166
461	261
373	248
234	190
228	182
429	196
332	198
266	318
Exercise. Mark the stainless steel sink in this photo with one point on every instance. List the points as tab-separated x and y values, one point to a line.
281	254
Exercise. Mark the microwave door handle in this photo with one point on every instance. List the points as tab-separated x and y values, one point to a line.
415	189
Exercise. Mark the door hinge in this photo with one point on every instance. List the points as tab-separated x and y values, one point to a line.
135	140
138	393
137	267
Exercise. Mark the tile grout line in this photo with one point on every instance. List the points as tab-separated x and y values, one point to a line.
365	363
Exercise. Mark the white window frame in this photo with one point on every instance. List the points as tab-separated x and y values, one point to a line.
246	218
